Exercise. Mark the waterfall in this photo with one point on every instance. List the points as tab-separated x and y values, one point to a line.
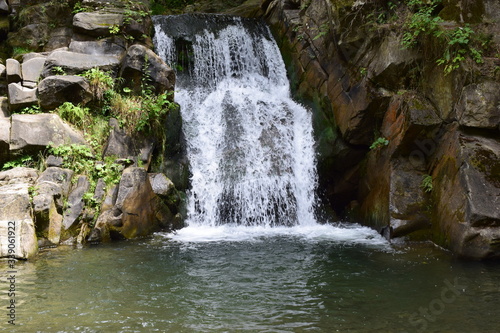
250	146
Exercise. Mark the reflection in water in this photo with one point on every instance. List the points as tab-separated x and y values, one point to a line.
287	283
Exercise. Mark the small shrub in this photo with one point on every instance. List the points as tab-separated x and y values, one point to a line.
23	161
426	184
100	82
380	142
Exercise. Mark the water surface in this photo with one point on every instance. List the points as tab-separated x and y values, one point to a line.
326	279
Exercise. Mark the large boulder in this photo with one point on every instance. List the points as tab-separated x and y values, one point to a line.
96	24
466	186
35	132
134	69
58	89
138	211
76	63
17	232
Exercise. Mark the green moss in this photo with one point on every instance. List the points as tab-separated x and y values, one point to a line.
489	164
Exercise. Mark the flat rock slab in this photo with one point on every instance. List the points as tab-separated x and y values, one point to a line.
36	131
113	46
96	24
76	63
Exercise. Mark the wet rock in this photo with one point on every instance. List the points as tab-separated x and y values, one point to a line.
20	97
13	71
479	105
96	24
138	210
55	90
467	191
76	63
134	65
35	132
408	205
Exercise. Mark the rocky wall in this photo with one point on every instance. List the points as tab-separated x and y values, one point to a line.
50	205
403	146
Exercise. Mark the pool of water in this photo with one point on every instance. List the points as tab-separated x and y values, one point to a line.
324	279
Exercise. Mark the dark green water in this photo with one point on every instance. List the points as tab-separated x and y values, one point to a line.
345	280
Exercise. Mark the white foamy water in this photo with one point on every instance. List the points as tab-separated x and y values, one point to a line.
250	146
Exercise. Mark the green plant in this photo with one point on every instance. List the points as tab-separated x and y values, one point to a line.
114	29
76	115
323	30
34	109
78	158
458	44
23	161
100	82
426	184
458	49
380	142
18	51
58	70
363	71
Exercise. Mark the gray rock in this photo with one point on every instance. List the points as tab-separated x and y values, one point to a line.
479	105
32	37
58	89
3	72
161	185
20	97
59	38
114	46
4	7
51	188
31	71
15	212
161	76
13	71
96	24
407	201
18	175
54	161
75	203
76	63
35	132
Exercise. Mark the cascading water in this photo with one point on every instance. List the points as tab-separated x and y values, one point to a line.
250	146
